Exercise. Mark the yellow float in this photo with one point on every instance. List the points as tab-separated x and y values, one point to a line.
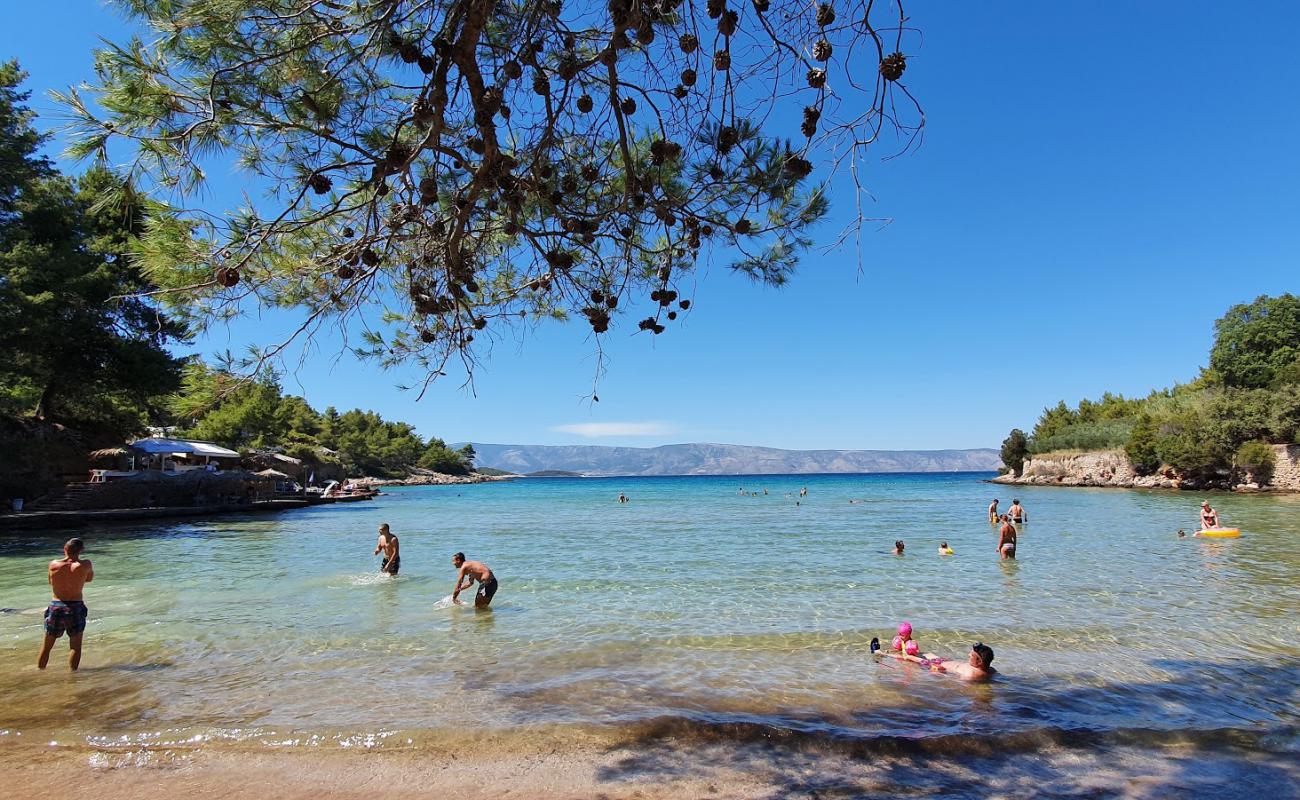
1219	533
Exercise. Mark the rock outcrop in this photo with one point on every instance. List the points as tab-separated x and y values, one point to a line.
1112	468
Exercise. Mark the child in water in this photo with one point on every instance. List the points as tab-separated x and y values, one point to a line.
944	549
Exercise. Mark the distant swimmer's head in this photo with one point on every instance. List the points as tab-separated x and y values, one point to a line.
905	629
1181	533
898	545
981	655
458	559
74	546
383	528
943	545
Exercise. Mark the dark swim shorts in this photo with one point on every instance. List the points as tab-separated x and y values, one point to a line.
391	567
486	590
65	616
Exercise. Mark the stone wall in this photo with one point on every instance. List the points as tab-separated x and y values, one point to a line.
1111	468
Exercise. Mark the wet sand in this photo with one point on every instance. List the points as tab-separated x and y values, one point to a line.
644	768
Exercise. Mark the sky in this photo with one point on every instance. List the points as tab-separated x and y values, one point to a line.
1098	183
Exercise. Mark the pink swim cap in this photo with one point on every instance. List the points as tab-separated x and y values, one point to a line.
905	629
912	647
898	642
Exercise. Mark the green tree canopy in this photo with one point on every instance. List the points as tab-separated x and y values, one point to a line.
1258	344
76	352
464	166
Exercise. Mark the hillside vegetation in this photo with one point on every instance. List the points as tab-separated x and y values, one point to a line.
1246	399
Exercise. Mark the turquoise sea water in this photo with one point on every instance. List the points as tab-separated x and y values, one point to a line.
693	606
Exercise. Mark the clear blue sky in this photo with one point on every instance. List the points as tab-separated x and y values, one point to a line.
1098	183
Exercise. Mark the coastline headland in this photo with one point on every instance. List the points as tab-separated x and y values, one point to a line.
1111	469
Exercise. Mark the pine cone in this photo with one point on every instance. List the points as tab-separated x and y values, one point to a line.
320	184
715	8
426	64
369	258
427	336
798	168
761	6
585	103
688	43
541	86
681	92
742	226
825	14
892	66
628	106
512	70
822	50
727	24
227	277
645	35
816	78
684	305
689	77
722	60
345	273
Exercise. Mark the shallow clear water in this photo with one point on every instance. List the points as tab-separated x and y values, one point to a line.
693	603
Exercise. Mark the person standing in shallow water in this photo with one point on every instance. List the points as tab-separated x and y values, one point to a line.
470	571
1007	539
391	549
993	512
67	611
1017	513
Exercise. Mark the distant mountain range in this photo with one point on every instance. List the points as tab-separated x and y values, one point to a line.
725	459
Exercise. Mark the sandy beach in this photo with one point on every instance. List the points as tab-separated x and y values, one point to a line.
645	767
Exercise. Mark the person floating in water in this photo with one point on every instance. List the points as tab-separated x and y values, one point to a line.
977	667
898	547
993	512
391	549
803	492
1209	517
944	549
67	611
1007	539
470	571
1017	513
622	498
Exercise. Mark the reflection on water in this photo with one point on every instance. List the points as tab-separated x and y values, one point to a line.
690	606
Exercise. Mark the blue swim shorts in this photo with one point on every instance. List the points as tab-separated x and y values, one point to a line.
65	616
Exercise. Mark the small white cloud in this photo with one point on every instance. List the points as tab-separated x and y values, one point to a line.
596	430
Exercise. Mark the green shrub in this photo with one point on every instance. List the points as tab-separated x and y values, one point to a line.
1085	436
1014	449
1258	459
1141	446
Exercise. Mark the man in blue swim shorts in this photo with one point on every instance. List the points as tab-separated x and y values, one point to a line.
67	612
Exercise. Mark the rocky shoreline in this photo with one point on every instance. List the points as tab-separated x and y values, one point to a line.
423	478
1111	469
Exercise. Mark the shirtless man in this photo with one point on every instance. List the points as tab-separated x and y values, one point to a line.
66	612
898	547
470	571
1209	517
1007	539
391	549
1017	513
978	666
993	512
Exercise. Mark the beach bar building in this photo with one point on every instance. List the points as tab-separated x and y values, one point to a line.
166	455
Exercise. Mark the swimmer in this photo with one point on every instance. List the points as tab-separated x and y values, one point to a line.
391	549
467	573
622	498
944	549
1007	539
1017	513
803	492
1209	517
67	611
978	666
1182	534
898	547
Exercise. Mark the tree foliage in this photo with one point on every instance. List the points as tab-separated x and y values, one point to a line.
457	167
80	351
1258	344
216	404
1015	448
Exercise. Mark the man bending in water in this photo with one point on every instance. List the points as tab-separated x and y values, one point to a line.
67	612
978	666
470	571
391	549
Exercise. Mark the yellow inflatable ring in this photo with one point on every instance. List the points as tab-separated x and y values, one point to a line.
1220	533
